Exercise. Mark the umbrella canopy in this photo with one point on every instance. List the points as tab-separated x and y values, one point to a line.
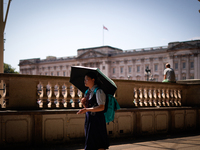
78	75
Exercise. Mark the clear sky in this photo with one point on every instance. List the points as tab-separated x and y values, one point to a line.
40	28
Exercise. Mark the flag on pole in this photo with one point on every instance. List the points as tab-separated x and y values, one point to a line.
105	28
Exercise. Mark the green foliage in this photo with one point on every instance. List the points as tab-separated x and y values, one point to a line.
8	69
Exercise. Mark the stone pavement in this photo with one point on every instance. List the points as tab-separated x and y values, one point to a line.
164	142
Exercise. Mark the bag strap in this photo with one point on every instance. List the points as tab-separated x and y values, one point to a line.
95	90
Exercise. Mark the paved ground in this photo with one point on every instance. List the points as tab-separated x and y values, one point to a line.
176	142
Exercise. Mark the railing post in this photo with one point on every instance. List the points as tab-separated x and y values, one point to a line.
155	97
163	97
2	94
150	97
141	91
136	97
68	97
167	97
76	98
159	97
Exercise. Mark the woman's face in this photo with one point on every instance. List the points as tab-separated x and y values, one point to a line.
89	82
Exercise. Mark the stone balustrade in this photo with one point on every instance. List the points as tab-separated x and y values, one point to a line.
34	92
51	105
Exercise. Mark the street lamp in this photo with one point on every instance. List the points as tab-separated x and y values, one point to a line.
147	72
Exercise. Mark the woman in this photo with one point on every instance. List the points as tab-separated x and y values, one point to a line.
95	125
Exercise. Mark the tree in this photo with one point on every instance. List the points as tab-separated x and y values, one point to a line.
8	69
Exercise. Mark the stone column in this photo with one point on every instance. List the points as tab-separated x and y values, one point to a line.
196	66
117	69
134	69
142	70
125	69
160	71
187	67
179	67
107	68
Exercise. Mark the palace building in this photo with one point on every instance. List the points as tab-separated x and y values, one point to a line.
136	64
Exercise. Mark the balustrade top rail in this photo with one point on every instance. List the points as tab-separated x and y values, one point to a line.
35	92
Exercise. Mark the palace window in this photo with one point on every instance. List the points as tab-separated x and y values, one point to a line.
121	69
192	65
57	73
138	68
176	65
113	70
184	65
129	69
155	67
191	76
51	73
64	73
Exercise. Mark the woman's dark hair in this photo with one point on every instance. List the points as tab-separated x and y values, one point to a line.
92	75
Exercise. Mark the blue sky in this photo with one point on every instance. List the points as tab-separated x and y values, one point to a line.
40	28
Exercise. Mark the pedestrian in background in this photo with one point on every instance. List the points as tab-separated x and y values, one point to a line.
169	75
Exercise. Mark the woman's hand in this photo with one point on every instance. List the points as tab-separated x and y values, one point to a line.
92	109
82	111
83	101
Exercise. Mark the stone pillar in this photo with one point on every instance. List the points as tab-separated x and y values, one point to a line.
117	69
107	68
142	70
179	67
160	71
125	69
134	69
196	65
187	67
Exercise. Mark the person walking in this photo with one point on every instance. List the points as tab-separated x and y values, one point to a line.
169	75
95	125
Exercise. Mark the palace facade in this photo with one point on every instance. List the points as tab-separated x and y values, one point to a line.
184	58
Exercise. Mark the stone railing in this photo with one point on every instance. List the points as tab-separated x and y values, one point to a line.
48	118
34	92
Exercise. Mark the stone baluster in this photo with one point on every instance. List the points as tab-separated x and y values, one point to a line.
176	97
155	97
179	97
57	95
163	97
80	95
40	94
2	94
150	93
141	100
146	97
49	94
69	97
64	96
159	97
167	98
136	97
76	98
171	97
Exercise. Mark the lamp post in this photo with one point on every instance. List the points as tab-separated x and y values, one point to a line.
147	72
2	28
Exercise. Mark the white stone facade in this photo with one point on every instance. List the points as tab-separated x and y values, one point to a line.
184	58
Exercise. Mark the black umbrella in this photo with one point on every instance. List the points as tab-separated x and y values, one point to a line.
78	75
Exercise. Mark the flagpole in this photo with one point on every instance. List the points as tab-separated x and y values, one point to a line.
103	36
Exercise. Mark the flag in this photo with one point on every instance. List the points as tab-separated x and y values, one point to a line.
105	28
